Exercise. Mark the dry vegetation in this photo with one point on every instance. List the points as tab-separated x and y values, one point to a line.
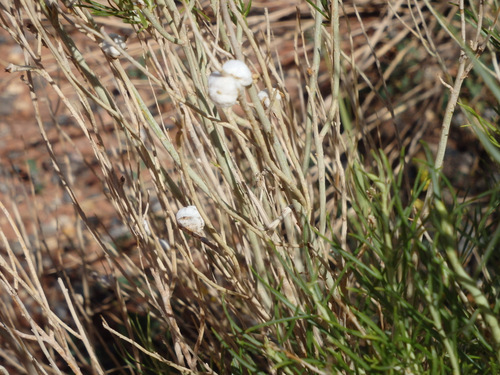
350	223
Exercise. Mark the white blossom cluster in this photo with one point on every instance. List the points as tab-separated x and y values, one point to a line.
224	87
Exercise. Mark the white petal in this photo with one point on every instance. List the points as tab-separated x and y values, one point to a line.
189	218
111	50
238	70
265	99
223	90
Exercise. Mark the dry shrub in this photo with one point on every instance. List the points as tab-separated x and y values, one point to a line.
272	282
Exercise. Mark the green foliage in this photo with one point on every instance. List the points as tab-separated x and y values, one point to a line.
146	332
408	311
244	8
323	7
127	10
492	131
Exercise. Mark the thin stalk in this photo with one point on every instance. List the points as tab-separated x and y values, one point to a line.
154	22
334	116
463	278
463	71
263	117
313	71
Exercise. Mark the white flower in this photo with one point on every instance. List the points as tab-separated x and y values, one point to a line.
239	71
265	99
111	50
189	218
224	87
223	90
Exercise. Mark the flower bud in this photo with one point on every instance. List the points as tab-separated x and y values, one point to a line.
223	90
189	218
111	50
239	71
265	99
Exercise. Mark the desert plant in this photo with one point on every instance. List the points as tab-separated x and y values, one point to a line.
309	229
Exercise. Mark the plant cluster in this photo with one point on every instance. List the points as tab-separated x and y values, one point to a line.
280	172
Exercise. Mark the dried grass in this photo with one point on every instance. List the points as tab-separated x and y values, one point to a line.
299	212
